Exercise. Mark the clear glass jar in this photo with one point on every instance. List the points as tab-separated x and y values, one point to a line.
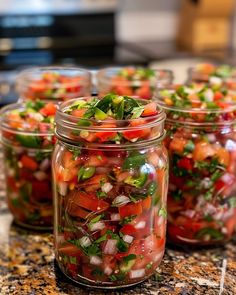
53	83
110	201
27	148
132	81
202	181
213	74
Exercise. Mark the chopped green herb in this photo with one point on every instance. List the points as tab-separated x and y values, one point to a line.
162	212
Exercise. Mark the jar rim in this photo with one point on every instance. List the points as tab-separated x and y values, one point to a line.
113	147
160	117
27	76
104	78
4	125
66	121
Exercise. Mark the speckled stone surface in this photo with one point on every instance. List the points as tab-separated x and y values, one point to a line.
27	267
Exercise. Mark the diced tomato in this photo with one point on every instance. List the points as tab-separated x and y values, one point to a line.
94	183
89	202
150	109
218	95
130	209
219	185
137	133
29	162
87	272
77	211
70	250
223	156
96	160
202	151
177	145
144	92
67	174
128	229
146	203
78	113
105	135
69	161
123	90
49	109
222	105
120	256
41	190
72	269
185	163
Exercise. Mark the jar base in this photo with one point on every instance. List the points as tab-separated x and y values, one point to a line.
103	285
32	227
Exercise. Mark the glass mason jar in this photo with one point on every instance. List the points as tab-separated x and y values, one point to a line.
131	81
202	182
27	148
110	200
213	74
53	83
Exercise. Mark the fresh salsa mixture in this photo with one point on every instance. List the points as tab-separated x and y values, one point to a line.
201	144
28	140
214	74
110	201
53	85
114	119
140	82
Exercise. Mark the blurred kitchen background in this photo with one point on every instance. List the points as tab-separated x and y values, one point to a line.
96	33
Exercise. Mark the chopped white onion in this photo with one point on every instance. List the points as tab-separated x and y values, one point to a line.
140	224
40	175
95	260
209	95
227	178
36	116
85	241
45	164
189	213
215	80
97	226
106	187
128	239
62	188
10	171
134	139
138	273
108	270
110	247
115	216
120	201
211	137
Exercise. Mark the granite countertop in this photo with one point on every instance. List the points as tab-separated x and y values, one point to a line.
27	266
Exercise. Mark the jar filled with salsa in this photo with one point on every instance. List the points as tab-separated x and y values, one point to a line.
110	181
132	81
53	83
27	142
201	141
214	75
